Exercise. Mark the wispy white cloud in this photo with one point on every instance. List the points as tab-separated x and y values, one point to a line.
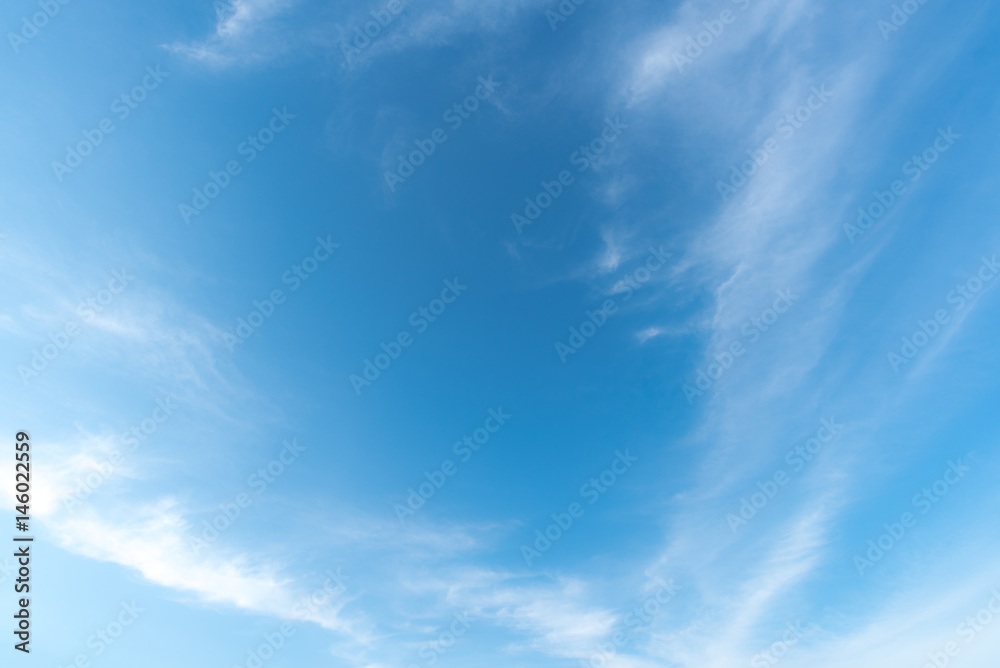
556	617
665	56
250	32
154	538
780	231
437	23
244	34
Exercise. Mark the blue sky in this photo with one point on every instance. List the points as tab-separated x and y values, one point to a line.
616	292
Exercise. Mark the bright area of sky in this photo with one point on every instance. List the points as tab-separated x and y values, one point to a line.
528	333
